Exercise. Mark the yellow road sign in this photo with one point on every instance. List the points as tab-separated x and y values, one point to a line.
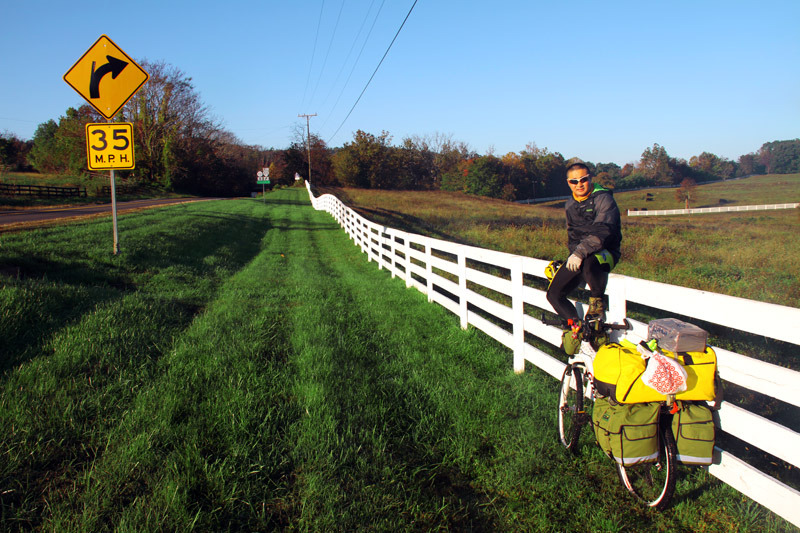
110	146
106	77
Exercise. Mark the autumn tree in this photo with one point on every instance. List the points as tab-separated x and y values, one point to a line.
171	126
654	166
455	179
487	176
414	163
366	162
13	153
686	191
708	166
546	172
780	157
451	160
450	153
607	174
518	184
749	164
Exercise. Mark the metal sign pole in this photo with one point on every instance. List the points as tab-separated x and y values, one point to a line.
264	192
114	211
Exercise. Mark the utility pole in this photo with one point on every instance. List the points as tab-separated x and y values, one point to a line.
308	142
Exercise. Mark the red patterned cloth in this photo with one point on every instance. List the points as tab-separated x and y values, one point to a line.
664	374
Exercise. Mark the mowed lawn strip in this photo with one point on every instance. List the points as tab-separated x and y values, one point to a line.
307	390
204	446
83	332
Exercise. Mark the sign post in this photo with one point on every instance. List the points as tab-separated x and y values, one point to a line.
114	211
110	146
263	179
106	77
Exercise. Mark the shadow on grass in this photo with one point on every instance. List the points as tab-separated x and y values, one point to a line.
60	285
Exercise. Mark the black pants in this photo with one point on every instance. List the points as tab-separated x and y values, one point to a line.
592	272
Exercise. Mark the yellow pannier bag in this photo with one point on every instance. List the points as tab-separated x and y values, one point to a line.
618	373
701	368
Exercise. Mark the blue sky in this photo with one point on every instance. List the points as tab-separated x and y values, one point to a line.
598	80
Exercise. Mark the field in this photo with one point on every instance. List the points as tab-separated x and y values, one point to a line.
753	255
241	366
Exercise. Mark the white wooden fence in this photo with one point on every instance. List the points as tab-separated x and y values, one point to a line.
438	268
703	210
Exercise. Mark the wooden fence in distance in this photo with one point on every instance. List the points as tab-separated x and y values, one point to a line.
9	189
448	272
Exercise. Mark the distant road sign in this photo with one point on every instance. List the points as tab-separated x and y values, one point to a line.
106	77
110	146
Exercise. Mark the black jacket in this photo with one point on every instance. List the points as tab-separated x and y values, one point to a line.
594	224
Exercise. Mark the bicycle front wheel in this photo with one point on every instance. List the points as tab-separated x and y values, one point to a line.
570	407
654	483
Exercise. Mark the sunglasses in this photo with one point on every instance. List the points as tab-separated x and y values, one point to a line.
582	180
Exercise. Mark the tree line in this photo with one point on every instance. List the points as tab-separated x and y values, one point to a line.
180	147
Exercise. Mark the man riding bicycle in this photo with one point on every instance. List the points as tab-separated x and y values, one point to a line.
594	238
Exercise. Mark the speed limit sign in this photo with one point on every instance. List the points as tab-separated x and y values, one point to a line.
109	146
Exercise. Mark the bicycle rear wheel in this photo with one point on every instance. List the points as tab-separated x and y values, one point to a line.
570	407
654	483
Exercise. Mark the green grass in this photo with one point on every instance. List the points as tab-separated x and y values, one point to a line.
756	190
242	367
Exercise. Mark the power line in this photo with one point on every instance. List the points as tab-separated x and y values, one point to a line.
330	45
349	53
376	71
313	51
347	81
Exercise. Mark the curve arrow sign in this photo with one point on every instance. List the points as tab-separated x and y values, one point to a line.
114	67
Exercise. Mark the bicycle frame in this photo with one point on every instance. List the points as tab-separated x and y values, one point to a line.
585	360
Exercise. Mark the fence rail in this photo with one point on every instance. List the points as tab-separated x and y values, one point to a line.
447	272
704	210
41	190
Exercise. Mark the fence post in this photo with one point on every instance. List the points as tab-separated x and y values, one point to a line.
360	236
407	252
462	288
390	238
617	298
518	312
380	249
428	268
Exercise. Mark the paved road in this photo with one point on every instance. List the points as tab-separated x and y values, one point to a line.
30	216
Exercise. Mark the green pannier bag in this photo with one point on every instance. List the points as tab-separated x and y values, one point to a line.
693	427
628	433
